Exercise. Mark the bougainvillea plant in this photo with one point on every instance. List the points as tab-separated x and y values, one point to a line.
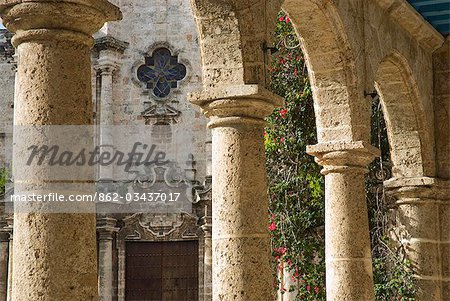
296	187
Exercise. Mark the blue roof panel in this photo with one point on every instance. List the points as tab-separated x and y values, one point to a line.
437	12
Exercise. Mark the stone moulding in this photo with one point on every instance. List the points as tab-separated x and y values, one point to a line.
236	104
340	156
419	189
110	11
110	43
411	21
70	18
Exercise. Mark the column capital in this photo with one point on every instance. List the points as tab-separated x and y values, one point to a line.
418	189
33	20
106	227
236	104
343	156
107	64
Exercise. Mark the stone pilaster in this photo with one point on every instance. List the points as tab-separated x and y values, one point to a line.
202	206
207	260
240	240
106	66
422	214
9	229
347	243
4	261
54	253
106	229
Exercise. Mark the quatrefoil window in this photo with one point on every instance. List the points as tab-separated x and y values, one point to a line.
161	72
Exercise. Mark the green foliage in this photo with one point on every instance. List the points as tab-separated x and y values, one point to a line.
392	273
3	180
296	187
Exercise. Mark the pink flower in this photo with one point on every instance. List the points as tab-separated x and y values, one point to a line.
280	250
281	139
281	19
272	226
283	113
316	289
287	20
308	288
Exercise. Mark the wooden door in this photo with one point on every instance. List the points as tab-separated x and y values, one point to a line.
161	271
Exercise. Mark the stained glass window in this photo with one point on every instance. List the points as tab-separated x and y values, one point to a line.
161	72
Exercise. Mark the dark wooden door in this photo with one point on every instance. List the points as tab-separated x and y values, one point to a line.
161	271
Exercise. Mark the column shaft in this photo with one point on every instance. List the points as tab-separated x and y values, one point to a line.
240	238
106	229
106	120
4	258
347	243
348	255
207	263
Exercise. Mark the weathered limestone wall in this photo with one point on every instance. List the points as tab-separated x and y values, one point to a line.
147	26
441	64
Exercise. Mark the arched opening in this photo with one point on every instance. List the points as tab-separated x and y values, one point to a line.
340	115
410	143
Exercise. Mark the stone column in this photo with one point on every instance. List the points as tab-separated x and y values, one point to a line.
422	214
207	262
106	66
347	242
9	229
240	239
4	263
108	63
54	253
106	228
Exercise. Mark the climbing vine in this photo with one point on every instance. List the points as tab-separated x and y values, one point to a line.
296	187
3	180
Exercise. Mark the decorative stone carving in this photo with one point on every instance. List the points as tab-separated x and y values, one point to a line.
161	72
110	43
6	49
155	227
159	112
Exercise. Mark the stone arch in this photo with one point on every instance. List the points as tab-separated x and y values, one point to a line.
232	32
411	146
341	112
231	35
